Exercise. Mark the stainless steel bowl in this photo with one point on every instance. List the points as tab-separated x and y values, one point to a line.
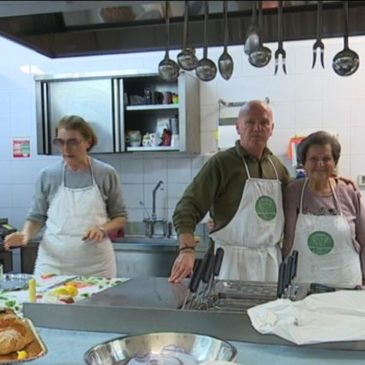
165	348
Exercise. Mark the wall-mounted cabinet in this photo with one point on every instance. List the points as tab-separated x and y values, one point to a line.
128	112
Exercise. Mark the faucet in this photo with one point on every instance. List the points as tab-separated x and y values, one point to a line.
159	185
152	220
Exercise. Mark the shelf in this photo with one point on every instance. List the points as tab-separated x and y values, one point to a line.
151	107
149	149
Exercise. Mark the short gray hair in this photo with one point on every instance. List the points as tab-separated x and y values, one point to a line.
320	138
77	123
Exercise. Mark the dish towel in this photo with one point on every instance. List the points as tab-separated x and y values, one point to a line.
327	317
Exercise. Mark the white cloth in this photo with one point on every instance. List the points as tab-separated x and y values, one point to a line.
251	239
326	253
328	317
62	251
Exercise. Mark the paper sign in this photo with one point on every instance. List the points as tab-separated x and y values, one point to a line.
21	147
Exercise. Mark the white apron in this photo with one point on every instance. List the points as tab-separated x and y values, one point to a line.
251	239
326	253
62	251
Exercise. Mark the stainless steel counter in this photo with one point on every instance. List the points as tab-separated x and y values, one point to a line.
141	306
78	342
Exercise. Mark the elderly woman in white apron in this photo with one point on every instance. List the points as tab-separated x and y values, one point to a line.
79	201
241	188
324	218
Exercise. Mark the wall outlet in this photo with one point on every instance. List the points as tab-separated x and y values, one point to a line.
361	180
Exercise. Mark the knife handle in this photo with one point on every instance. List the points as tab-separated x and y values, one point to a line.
295	264
208	267
218	261
197	275
280	288
288	272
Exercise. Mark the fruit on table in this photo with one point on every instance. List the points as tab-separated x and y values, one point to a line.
22	355
66	293
72	289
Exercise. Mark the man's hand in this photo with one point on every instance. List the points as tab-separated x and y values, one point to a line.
182	267
16	239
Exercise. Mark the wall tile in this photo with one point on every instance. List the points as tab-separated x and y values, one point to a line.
284	114
155	170
309	113
179	171
336	112
133	194
357	114
357	135
6	196
22	195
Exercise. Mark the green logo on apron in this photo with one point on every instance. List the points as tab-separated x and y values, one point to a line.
320	243
265	208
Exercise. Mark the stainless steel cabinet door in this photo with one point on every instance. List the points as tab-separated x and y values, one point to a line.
89	98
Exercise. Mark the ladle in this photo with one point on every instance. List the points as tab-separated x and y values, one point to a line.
262	56
346	62
252	42
225	61
186	58
167	68
206	70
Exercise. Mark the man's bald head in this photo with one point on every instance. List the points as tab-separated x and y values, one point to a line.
252	104
255	126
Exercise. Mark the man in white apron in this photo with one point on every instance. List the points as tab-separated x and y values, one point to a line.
241	188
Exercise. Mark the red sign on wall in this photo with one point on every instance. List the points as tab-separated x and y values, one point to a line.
21	147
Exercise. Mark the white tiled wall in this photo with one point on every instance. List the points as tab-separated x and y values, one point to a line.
304	100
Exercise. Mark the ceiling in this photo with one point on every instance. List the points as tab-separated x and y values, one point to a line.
77	28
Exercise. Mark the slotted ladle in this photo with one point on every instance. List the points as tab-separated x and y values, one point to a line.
168	69
346	62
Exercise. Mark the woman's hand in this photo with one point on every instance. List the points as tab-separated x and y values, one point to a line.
16	239
182	267
96	234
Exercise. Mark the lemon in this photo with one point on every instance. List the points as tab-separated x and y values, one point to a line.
72	290
22	355
61	291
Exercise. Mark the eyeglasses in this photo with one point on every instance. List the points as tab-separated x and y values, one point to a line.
324	161
72	142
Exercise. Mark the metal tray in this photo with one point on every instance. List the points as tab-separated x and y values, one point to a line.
12	282
35	349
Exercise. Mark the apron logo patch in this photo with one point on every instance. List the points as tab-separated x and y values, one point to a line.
320	243
265	208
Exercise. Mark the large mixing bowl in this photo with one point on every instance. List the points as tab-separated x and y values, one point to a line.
165	348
